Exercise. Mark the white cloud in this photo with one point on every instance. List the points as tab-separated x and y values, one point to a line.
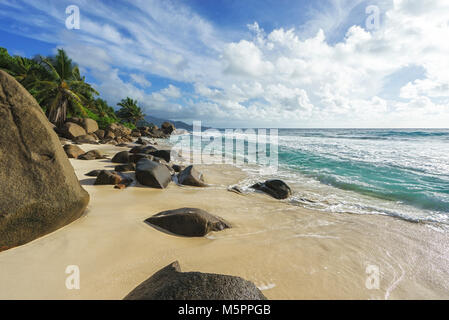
291	77
140	80
171	91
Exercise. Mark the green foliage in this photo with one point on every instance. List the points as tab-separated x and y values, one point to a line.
129	112
57	85
104	122
129	125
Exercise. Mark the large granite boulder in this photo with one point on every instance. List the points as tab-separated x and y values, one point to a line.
191	177
152	174
276	188
188	222
39	191
100	134
73	151
167	127
170	283
119	130
71	130
90	125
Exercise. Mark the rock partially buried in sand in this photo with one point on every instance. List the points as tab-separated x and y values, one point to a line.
93	173
73	151
188	222
276	188
152	174
121	157
92	155
108	178
39	191
191	177
170	283
235	189
87	138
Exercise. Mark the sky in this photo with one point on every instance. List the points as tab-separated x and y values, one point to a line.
253	63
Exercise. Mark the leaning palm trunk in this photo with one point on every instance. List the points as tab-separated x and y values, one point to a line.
58	115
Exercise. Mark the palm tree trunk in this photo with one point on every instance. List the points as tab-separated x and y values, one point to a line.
58	115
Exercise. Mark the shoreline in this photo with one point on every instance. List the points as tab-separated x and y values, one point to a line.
288	251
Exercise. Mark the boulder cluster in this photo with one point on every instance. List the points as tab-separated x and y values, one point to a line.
40	192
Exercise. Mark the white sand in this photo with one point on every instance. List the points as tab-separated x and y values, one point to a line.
289	252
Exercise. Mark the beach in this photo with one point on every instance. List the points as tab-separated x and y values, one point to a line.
288	251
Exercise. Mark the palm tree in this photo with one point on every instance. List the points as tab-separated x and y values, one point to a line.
62	90
24	70
101	108
129	111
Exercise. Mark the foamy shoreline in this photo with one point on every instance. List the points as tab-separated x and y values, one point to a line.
287	251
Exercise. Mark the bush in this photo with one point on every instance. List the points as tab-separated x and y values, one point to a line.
104	122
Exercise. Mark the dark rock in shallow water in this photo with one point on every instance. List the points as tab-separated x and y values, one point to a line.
191	177
121	157
168	127
73	151
152	174
39	191
189	222
276	188
125	167
164	154
141	141
170	283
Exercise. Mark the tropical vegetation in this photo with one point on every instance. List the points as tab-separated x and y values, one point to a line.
129	111
57	85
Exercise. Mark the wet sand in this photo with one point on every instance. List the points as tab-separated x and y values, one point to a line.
287	251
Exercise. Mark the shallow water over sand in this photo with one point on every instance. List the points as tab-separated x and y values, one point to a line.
288	251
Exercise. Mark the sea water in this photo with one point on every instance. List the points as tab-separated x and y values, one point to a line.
402	173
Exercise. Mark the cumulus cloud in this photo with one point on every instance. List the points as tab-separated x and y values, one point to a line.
303	76
140	80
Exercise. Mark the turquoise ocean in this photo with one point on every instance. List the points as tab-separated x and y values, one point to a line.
403	173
